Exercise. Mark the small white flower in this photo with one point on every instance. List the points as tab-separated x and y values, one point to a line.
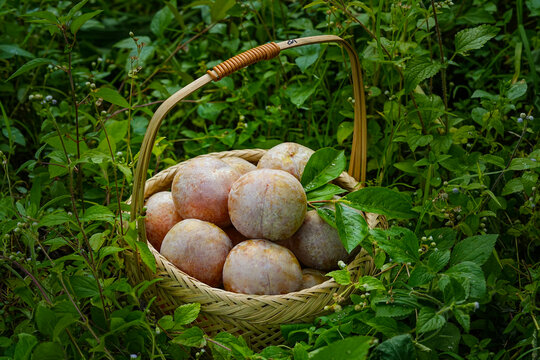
133	356
522	115
476	305
341	264
530	118
48	97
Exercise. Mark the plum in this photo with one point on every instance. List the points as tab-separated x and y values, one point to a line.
312	277
267	204
160	217
198	248
261	267
290	157
241	165
316	244
200	190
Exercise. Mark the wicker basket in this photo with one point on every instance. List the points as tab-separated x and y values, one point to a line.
256	317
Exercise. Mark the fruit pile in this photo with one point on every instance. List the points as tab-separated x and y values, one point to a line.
227	222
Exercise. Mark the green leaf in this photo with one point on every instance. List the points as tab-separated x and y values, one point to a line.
517	90
328	215
438	260
476	249
24	346
523	164
342	277
369	283
399	347
352	348
46	15
351	225
474	38
429	320
98	213
447	339
344	130
309	54
112	96
75	8
419	69
220	8
161	20
463	319
323	166
192	337
471	276
7	51
325	192
53	219
97	240
45	319
84	286
186	314
452	290
146	255
48	351
420	276
513	186
298	94
109	250
79	21
382	201
400	244
34	63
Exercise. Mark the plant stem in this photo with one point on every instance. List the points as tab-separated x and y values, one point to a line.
443	70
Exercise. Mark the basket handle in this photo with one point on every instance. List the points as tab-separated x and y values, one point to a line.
357	166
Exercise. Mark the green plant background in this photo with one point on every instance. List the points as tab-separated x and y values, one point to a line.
452	97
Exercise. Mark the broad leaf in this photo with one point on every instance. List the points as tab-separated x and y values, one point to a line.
342	277
420	276
220	8
193	337
369	283
298	94
476	249
471	276
429	320
400	244
146	255
352	348
8	51
84	286
323	166
325	192
24	346
452	290
399	347
523	164
382	201
463	319
45	319
474	38
417	70
351	225
186	314
53	219
98	213
48	351
438	260
112	96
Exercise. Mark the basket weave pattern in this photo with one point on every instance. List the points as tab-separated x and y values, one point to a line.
256	317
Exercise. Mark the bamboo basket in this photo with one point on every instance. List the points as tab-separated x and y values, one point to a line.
256	317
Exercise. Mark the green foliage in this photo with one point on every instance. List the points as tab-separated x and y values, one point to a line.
452	93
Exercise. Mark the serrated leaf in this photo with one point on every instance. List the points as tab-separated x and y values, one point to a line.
79	21
352	348
32	64
84	286
419	69
400	244
463	319
48	351
512	186
382	201
186	314
25	344
45	319
471	277
474	38
369	283
420	276
192	337
112	96
429	320
323	166
438	260
523	164
476	249
399	347
351	225
342	277
452	290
